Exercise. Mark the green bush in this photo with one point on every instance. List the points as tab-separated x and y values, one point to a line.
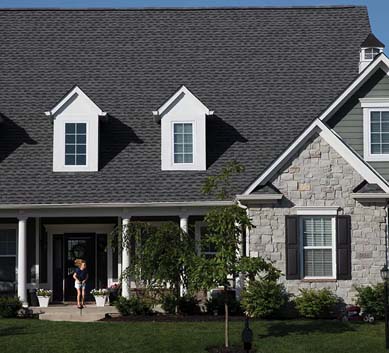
186	305
371	299
169	304
312	303
9	306
263	298
133	306
215	305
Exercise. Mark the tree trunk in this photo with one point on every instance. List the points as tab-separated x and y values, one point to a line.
226	335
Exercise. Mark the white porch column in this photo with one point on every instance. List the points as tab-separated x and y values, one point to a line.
125	261
184	228
22	260
184	223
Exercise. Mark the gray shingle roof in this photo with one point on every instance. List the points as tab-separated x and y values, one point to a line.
267	72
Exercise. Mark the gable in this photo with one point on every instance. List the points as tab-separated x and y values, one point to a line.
317	175
348	121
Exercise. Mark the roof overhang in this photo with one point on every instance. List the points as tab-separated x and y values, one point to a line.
257	199
174	99
370	196
71	95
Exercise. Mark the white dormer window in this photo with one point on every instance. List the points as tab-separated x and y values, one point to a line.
76	133
183	135
75	143
183	143
375	129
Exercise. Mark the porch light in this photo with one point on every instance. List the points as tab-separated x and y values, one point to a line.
384	273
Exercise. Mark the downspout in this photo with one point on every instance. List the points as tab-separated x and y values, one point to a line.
243	252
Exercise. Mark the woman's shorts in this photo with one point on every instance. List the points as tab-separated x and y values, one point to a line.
79	285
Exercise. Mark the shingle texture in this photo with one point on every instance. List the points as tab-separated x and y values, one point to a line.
267	73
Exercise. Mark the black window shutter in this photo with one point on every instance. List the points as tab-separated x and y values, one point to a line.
292	245
343	247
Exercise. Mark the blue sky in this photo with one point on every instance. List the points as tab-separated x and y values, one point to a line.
378	9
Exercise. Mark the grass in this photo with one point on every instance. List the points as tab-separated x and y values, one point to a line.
23	335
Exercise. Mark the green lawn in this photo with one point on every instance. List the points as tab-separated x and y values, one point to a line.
23	335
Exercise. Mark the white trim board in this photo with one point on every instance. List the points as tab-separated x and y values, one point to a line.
366	171
381	62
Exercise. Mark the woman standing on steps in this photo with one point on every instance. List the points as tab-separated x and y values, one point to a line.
80	277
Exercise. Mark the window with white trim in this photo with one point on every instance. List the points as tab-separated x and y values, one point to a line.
203	246
183	143
75	143
318	246
375	128
379	132
8	248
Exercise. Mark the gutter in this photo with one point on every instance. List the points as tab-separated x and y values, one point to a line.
116	205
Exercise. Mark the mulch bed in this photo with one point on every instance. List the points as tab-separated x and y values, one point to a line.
171	318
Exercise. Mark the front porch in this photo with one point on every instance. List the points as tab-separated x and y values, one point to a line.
38	245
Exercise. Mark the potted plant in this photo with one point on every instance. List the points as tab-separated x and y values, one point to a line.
100	296
44	297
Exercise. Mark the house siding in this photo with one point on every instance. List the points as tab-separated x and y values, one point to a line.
319	176
348	122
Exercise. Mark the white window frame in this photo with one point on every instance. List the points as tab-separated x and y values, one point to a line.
198	226
193	123
332	247
370	105
14	227
76	166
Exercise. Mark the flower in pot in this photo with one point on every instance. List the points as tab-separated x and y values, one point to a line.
100	296
44	296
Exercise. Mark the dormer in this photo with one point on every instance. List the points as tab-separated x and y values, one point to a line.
370	48
76	133
183	135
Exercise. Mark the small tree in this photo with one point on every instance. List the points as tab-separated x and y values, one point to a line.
159	256
225	226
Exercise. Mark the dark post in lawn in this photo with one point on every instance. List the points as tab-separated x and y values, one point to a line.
247	336
385	276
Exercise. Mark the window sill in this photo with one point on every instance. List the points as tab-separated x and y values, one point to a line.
318	280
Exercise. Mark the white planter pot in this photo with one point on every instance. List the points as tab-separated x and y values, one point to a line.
100	300
43	301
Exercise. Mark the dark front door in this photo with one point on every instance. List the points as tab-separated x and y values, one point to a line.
78	246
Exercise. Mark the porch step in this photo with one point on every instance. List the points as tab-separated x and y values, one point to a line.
72	313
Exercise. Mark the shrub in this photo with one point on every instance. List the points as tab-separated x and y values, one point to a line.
262	298
215	305
313	303
9	306
133	306
169	304
371	299
187	305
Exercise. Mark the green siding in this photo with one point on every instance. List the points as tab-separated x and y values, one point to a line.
348	121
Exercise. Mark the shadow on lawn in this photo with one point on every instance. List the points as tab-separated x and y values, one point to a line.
12	331
282	329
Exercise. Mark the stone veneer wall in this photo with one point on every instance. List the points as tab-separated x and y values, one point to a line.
319	176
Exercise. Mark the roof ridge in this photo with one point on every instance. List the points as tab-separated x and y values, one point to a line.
183	8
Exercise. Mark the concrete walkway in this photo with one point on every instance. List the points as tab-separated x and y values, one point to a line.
70	312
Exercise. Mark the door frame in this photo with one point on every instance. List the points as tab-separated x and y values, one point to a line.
62	229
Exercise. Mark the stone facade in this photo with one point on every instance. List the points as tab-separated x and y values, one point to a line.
319	176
